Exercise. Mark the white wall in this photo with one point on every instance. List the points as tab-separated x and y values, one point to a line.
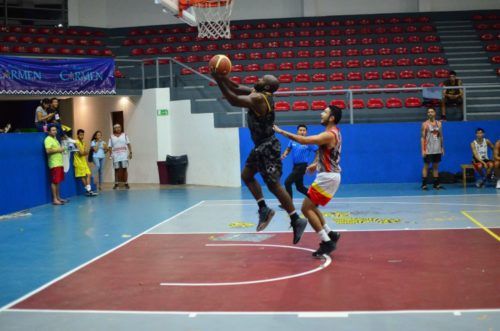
353	7
88	13
214	155
452	5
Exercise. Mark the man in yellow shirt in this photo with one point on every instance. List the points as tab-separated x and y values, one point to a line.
54	153
82	169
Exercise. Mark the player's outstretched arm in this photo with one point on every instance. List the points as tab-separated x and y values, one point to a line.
319	139
232	86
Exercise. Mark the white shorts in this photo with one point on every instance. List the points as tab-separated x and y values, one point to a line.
120	165
324	187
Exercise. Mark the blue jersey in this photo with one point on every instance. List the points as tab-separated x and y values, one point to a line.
302	153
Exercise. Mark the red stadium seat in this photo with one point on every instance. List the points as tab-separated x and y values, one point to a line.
10	39
181	49
400	50
128	42
50	50
302	78
373	86
387	62
319	105
335	42
186	39
434	49
258	45
389	75
320	88
79	51
409	85
300	106
369	63
336	64
273	44
286	66
403	62
367	41
372	75
391	86
235	79
252	67
320	77
336	52
336	88
407	74
149	62
287	54
375	103
304	43
351	41
382	40
431	38
424	73
438	61
303	54
417	50
441	73
281	106
299	89
34	50
268	67
154	51
250	79
119	74
428	85
206	70
196	48
349	32
352	52
262	26
492	48
358	104
320	53
171	39
356	75
380	30
137	51
364	21
271	55
421	61
179	58
339	103
4	49
355	89
167	50
259	35
395	29
242	45
398	40
240	56
256	56
304	65
413	102
365	30
237	68
427	28
26	39
289	43
319	43
393	103
337	76
283	89
353	64
367	51
276	25
212	47
319	65
289	34
495	59
384	51
285	78
413	39
94	52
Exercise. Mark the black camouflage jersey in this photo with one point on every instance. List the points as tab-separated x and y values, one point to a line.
261	127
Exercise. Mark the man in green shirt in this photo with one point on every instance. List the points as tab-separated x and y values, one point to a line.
54	152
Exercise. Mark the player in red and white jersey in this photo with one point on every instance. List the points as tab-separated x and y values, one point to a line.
327	180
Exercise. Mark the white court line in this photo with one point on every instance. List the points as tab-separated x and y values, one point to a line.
328	261
94	259
303	314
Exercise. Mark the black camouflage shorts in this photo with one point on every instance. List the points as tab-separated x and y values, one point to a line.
266	159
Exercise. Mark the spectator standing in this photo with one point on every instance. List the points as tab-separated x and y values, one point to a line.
82	170
121	153
99	149
42	117
55	160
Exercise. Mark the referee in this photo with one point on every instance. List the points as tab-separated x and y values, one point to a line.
301	155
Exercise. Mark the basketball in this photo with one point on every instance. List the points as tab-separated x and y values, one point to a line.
221	64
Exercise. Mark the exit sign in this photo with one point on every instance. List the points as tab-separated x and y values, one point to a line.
162	112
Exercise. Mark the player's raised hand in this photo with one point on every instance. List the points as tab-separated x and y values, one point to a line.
277	129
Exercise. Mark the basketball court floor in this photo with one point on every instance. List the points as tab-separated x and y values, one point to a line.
190	259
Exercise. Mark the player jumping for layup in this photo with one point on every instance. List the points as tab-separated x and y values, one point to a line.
265	157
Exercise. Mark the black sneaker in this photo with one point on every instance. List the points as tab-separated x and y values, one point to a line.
265	216
438	187
298	229
424	187
334	236
127	187
325	248
115	186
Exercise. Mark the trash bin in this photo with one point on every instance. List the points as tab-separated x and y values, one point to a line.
162	172
176	168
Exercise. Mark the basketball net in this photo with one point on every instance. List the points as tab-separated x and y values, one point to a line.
212	17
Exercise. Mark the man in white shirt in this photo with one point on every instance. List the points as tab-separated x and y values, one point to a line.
121	152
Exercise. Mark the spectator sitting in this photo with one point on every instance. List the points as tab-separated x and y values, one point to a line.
480	158
451	96
41	115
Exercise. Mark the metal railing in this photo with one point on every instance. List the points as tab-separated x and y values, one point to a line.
347	92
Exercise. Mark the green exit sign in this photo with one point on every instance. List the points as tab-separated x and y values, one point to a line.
162	112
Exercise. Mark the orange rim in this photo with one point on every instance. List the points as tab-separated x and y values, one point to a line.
184	4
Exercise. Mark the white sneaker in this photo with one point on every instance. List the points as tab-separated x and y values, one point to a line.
498	183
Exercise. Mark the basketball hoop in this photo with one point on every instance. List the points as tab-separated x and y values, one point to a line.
212	17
